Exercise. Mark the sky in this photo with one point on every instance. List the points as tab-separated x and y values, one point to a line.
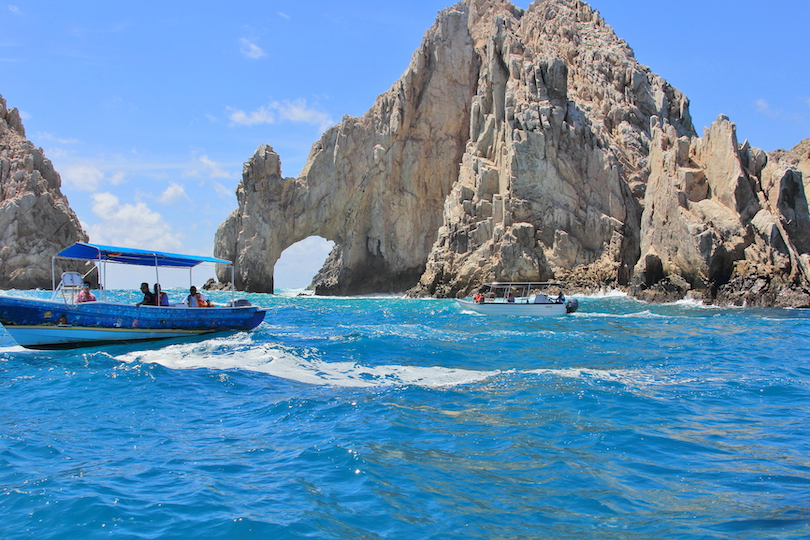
148	110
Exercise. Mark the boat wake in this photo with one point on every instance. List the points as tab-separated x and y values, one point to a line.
240	352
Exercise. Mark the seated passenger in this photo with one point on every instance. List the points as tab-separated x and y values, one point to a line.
161	298
148	297
195	299
85	295
511	298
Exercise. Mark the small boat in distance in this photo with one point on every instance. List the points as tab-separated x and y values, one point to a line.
63	323
523	298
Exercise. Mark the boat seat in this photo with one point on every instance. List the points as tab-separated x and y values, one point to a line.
69	285
72	279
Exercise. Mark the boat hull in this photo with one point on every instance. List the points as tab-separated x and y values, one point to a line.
43	324
517	308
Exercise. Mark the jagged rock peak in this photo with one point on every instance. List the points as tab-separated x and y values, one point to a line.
36	220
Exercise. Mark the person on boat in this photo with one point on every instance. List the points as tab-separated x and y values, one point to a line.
195	299
161	298
478	298
511	298
85	295
148	297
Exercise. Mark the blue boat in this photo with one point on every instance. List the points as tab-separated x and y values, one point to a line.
63	323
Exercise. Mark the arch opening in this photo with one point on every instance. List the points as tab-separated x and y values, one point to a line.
299	263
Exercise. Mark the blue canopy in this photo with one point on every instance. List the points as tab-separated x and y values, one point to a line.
140	257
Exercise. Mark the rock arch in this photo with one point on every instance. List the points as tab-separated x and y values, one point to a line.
374	185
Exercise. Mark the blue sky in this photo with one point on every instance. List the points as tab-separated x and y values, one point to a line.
148	110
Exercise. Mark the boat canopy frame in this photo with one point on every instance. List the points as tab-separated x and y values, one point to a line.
523	287
101	255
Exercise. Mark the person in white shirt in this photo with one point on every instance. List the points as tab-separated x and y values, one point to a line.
195	299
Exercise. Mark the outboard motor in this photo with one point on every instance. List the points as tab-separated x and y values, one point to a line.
571	305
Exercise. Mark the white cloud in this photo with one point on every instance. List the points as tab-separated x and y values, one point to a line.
284	15
175	192
250	50
261	116
765	108
82	176
215	170
118	178
222	191
50	137
15	10
131	225
206	167
278	111
87	177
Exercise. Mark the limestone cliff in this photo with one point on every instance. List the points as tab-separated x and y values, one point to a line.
523	146
35	219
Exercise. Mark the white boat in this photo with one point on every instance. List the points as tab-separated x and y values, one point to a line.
523	298
61	322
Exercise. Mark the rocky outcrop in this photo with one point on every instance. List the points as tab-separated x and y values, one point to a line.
717	216
35	219
556	161
528	146
797	158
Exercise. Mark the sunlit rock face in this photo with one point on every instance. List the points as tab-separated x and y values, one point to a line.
525	145
719	217
35	219
555	164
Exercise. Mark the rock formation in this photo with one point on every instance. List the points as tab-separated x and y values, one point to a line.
35	219
526	146
374	185
719	214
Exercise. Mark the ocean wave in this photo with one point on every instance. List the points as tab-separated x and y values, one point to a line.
238	352
602	293
646	314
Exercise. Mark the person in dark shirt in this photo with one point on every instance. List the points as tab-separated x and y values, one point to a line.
148	297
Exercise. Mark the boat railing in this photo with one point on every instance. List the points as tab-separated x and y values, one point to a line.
69	286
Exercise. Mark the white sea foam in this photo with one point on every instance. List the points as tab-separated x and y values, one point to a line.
621	375
646	314
603	293
16	349
237	352
304	293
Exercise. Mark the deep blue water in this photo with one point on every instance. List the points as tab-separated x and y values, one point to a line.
365	418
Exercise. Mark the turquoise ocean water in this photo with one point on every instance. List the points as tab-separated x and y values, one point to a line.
366	418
